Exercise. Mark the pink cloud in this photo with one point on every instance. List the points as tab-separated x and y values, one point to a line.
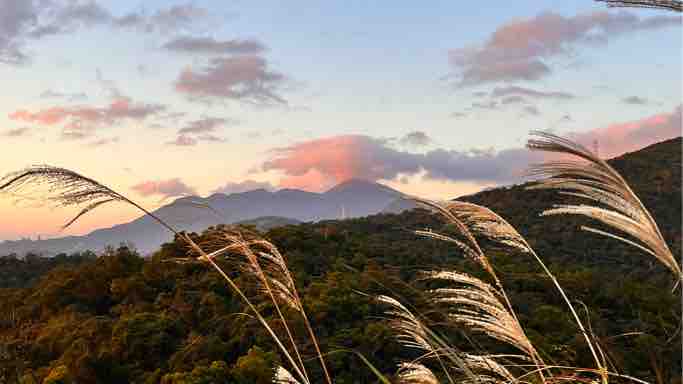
520	50
80	121
318	164
619	138
313	180
328	160
245	78
50	116
164	188
183	141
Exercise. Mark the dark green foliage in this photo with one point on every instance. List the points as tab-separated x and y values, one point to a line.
120	318
16	272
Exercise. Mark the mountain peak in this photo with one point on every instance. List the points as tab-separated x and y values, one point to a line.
222	195
187	200
359	185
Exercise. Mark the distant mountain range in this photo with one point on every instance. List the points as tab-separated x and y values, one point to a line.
261	208
654	171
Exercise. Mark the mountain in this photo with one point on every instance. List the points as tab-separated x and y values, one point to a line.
653	171
399	205
262	208
266	223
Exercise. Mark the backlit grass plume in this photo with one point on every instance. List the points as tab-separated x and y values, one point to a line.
669	5
475	304
262	260
283	376
64	188
414	373
473	221
452	363
611	200
488	370
412	332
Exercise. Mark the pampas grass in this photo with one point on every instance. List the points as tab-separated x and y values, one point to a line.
612	201
470	220
414	373
262	260
473	304
283	376
478	306
669	5
486	223
65	188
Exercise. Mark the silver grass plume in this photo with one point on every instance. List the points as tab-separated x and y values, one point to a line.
413	333
613	202
246	244
488	370
484	222
669	5
415	373
283	376
470	219
470	247
478	306
263	260
64	188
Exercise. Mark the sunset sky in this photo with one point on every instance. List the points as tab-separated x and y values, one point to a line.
160	99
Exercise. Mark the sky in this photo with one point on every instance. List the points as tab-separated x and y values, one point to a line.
160	99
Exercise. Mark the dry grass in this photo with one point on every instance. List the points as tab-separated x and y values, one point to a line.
612	201
476	305
668	5
414	373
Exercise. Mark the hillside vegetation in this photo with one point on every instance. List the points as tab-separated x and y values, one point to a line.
122	318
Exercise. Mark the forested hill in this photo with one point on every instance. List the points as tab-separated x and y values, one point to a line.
123	318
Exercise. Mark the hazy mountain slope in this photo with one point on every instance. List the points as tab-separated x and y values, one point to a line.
353	198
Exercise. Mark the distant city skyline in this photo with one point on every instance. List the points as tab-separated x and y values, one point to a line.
160	99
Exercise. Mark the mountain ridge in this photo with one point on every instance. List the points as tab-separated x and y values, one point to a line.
351	198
